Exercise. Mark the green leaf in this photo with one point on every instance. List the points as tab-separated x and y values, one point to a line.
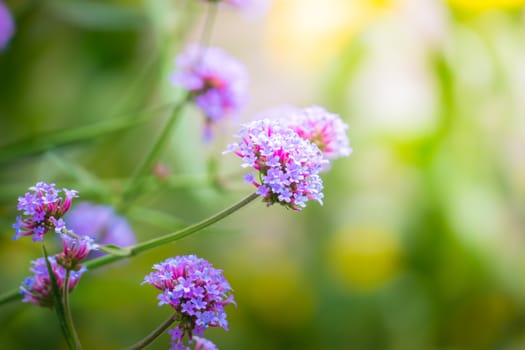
100	16
39	143
57	303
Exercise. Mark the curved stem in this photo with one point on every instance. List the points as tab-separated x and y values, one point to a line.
211	14
10	296
136	181
67	309
153	335
172	237
153	243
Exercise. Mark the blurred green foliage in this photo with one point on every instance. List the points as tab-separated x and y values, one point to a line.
419	244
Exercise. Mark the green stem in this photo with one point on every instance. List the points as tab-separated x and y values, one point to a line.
153	243
211	14
136	181
171	237
153	335
67	309
58	303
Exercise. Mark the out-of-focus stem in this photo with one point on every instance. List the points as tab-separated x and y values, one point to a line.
172	237
153	335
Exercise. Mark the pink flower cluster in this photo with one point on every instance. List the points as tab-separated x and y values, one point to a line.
288	165
217	82
197	291
37	289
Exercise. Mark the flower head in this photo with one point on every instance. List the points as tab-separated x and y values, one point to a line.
248	6
254	7
100	222
323	128
196	290
216	80
288	165
7	26
42	210
74	251
37	288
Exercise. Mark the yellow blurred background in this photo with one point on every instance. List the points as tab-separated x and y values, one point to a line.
420	242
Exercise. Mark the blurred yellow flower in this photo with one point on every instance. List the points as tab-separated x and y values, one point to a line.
364	258
482	5
306	33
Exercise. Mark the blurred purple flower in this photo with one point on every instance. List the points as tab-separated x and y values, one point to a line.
37	288
288	165
251	6
217	81
101	223
196	290
323	128
7	25
42	210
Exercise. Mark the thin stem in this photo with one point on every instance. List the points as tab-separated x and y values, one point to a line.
211	14
153	335
172	237
58	303
136	181
153	243
69	317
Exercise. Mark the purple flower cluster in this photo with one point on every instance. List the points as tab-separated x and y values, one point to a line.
217	81
288	165
323	128
37	288
74	251
100	222
196	290
42	210
7	25
255	6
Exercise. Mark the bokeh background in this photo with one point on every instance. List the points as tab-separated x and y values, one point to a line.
420	242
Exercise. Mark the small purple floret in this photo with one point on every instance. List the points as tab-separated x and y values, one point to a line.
42	210
196	290
288	164
217	81
74	251
204	344
37	288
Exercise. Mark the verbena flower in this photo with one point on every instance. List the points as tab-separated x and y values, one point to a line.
203	344
325	129
42	210
217	81
196	290
37	289
287	164
250	6
74	251
7	25
100	222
